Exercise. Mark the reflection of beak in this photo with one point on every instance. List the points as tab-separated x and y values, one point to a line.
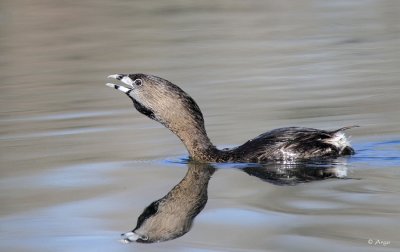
129	237
124	79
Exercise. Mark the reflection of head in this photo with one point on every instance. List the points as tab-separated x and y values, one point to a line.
172	216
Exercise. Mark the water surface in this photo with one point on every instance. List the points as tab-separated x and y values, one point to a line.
79	164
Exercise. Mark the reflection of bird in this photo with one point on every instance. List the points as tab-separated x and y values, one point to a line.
285	174
166	103
172	216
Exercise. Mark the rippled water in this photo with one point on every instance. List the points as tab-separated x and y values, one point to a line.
79	164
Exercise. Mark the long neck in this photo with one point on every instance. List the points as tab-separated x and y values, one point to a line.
180	113
194	137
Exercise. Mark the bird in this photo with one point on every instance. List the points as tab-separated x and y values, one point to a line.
166	103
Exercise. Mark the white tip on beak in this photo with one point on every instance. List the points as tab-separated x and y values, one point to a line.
115	76
120	88
123	78
129	237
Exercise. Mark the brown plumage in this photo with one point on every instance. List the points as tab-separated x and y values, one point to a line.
168	104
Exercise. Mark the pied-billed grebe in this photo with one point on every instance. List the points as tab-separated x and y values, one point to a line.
168	104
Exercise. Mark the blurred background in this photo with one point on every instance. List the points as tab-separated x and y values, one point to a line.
74	151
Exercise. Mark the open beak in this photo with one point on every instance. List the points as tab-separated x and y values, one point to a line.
124	79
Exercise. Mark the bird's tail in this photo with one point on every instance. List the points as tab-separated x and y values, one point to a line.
345	128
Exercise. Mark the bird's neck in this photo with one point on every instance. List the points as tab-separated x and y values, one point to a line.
196	141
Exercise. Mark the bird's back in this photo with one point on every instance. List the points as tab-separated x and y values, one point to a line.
294	143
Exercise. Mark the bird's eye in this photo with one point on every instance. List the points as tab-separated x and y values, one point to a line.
138	82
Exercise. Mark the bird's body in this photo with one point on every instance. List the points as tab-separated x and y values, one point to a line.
289	144
166	103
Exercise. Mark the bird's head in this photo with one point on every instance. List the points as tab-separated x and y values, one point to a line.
159	99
